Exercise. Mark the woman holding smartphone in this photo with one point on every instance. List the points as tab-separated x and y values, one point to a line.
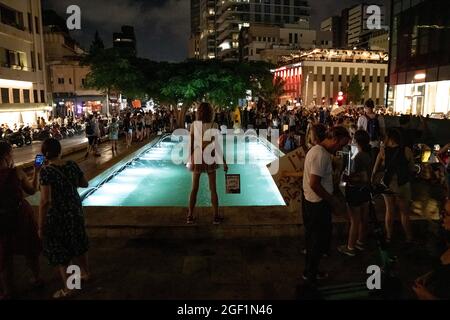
18	231
61	219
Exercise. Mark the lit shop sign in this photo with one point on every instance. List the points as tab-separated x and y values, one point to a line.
420	76
4	83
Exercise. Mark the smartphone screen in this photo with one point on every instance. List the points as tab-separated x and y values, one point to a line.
39	160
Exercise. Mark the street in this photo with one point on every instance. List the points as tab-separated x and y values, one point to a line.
26	154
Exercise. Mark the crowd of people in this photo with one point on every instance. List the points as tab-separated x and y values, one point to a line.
322	134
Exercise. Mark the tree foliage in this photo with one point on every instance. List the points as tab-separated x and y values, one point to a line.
355	90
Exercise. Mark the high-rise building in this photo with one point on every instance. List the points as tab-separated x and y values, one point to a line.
125	39
195	16
194	38
357	25
23	95
232	15
420	57
333	25
208	32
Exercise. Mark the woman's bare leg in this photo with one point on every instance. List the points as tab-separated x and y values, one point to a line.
83	262
362	233
213	190
389	219
355	222
194	191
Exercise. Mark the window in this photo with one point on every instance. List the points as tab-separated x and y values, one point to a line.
36	24
277	18
363	78
323	77
266	18
332	77
371	78
70	80
257	8
30	23
290	37
5	95
277	9
35	96
39	61
340	78
16	95
26	95
33	61
60	80
315	77
296	38
11	17
42	96
378	79
286	2
257	18
267	9
286	10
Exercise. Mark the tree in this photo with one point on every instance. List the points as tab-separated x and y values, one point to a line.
355	90
96	45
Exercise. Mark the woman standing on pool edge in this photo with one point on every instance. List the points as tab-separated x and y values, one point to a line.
205	116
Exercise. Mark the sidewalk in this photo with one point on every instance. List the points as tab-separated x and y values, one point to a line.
260	268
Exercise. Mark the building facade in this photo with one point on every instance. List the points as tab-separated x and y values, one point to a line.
270	42
125	39
232	15
66	76
23	90
316	77
420	63
358	32
208	32
333	25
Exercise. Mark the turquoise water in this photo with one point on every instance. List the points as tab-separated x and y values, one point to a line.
153	179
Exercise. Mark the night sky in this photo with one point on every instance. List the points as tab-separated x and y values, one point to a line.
162	26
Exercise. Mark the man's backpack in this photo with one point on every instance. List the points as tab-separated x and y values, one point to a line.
373	128
89	128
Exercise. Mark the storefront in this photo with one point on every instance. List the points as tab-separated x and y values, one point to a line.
426	98
26	115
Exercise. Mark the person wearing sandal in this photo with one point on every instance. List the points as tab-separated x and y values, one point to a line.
197	164
61	218
18	231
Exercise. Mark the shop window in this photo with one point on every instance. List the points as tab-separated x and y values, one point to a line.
42	96
26	96
35	96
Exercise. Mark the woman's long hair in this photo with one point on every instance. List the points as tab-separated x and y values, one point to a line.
205	112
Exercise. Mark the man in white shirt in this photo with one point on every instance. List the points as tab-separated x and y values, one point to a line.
318	199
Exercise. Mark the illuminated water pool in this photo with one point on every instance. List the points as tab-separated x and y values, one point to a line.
152	179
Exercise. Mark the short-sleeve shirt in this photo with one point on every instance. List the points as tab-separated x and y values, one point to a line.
317	162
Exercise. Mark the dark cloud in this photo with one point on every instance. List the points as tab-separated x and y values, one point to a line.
161	26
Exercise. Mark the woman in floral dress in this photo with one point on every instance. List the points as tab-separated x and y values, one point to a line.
61	219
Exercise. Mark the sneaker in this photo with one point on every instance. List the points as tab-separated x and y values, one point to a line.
360	246
347	251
